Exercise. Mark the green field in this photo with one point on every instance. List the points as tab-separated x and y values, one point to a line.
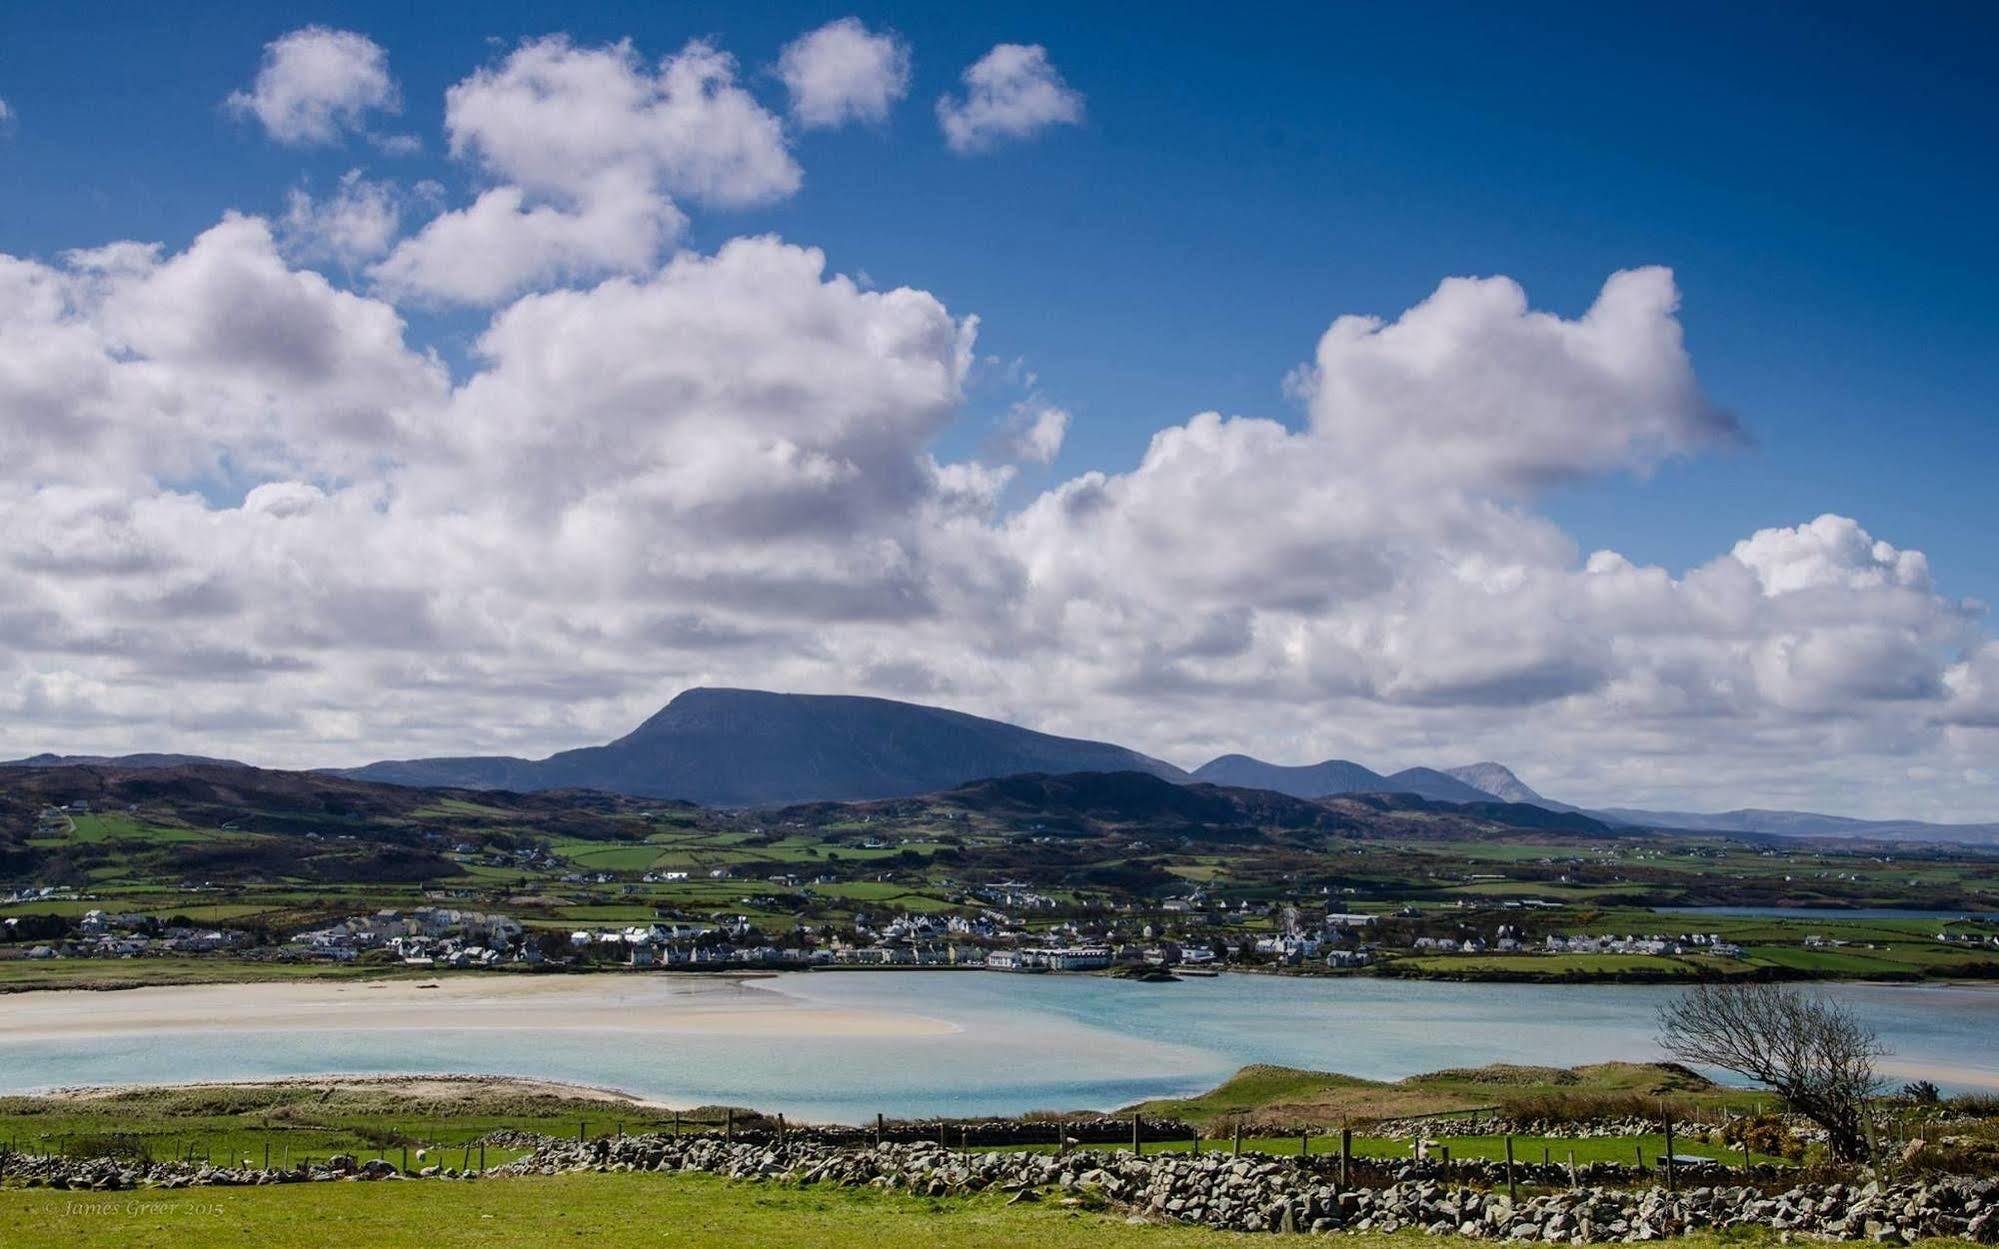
292	1121
614	1211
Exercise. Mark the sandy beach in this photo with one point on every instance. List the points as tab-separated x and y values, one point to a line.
659	1005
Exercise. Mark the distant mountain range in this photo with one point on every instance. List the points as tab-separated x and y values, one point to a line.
1801	824
1478	782
121	761
743	748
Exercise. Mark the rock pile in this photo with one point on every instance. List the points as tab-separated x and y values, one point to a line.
1269	1194
117	1174
1490	1124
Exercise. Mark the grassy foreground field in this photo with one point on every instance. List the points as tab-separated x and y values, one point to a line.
292	1120
604	1212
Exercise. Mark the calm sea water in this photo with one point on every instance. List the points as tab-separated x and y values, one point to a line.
1033	1042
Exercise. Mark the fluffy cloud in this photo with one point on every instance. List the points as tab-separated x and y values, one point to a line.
589	146
246	516
1034	432
121	362
1473	387
844	72
553	118
1832	552
1011	92
316	83
1973	689
357	223
743	395
502	244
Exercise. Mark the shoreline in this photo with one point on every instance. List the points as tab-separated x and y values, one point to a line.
657	1005
447	1084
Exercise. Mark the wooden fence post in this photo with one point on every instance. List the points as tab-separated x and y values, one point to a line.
1346	1153
1238	1138
729	1124
879	1120
1304	1143
1671	1182
1572	1168
1137	1142
1512	1189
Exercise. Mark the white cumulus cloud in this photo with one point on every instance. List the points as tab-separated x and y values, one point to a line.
1011	92
589	146
317	83
357	223
844	72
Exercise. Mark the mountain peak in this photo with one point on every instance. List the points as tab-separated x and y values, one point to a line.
1498	780
739	747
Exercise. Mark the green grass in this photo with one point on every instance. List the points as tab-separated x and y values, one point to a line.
292	1121
607	1212
613	857
22	975
1579	965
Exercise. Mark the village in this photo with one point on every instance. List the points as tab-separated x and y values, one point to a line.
1189	935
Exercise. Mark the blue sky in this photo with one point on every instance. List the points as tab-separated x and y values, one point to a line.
1820	184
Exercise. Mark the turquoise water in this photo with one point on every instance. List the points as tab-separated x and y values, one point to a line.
1031	1042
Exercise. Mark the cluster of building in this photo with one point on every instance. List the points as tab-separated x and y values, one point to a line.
425	936
1652	944
102	935
1050	958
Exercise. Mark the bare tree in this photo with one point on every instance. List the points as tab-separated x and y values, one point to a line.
1811	1051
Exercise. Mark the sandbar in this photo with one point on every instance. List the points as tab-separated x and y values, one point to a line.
662	1004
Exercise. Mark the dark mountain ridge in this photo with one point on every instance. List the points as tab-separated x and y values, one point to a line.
727	747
